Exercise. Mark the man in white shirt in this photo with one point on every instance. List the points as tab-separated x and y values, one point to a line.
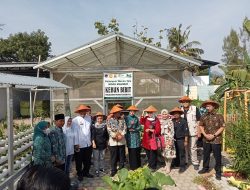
83	145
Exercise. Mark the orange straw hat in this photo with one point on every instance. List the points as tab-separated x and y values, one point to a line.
119	106
99	114
185	99
132	108
82	108
176	109
215	104
151	109
115	109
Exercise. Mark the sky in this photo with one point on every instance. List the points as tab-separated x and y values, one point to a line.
70	23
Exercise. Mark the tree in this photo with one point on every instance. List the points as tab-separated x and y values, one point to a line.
24	47
102	29
233	51
178	42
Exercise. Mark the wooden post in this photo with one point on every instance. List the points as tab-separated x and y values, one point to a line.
10	133
225	119
246	104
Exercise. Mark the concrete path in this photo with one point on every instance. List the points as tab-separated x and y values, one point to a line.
183	181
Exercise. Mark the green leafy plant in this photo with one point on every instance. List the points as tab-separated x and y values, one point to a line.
238	138
139	179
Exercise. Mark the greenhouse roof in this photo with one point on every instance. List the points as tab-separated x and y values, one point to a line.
17	80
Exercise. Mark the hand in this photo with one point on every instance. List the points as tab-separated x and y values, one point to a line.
94	145
53	158
151	130
58	162
209	137
147	130
170	143
142	113
131	129
185	143
77	148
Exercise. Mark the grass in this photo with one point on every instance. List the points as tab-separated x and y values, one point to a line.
205	182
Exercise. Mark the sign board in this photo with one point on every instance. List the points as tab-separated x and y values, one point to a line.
118	85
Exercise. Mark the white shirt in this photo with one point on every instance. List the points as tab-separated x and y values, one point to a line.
82	128
70	139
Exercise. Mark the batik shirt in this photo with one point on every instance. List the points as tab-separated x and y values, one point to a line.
58	140
211	123
133	137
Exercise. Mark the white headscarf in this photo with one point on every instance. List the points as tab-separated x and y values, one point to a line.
164	110
66	121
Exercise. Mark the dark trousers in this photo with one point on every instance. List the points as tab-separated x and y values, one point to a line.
152	158
216	149
61	167
134	158
115	153
180	153
83	161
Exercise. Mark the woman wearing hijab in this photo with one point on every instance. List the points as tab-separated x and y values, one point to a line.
151	127
167	130
70	142
133	138
42	154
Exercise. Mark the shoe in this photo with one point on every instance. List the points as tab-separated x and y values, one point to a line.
97	173
196	167
102	170
112	174
218	177
80	178
153	170
182	169
88	175
203	171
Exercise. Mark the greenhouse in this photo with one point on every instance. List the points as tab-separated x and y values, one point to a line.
119	69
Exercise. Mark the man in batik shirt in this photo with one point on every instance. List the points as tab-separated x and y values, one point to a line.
212	125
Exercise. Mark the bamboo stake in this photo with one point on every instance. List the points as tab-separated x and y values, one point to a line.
225	119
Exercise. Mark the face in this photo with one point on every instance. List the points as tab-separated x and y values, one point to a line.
164	115
186	104
150	114
117	114
69	122
177	115
132	112
60	122
99	119
82	112
209	107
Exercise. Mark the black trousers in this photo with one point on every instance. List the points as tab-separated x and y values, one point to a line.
115	153
180	153
216	149
152	158
83	161
134	158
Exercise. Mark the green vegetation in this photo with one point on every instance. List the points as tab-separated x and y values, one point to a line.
237	139
139	179
24	47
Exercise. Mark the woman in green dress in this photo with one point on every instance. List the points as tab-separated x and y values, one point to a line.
133	138
41	145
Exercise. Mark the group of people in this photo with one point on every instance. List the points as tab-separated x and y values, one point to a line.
85	137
